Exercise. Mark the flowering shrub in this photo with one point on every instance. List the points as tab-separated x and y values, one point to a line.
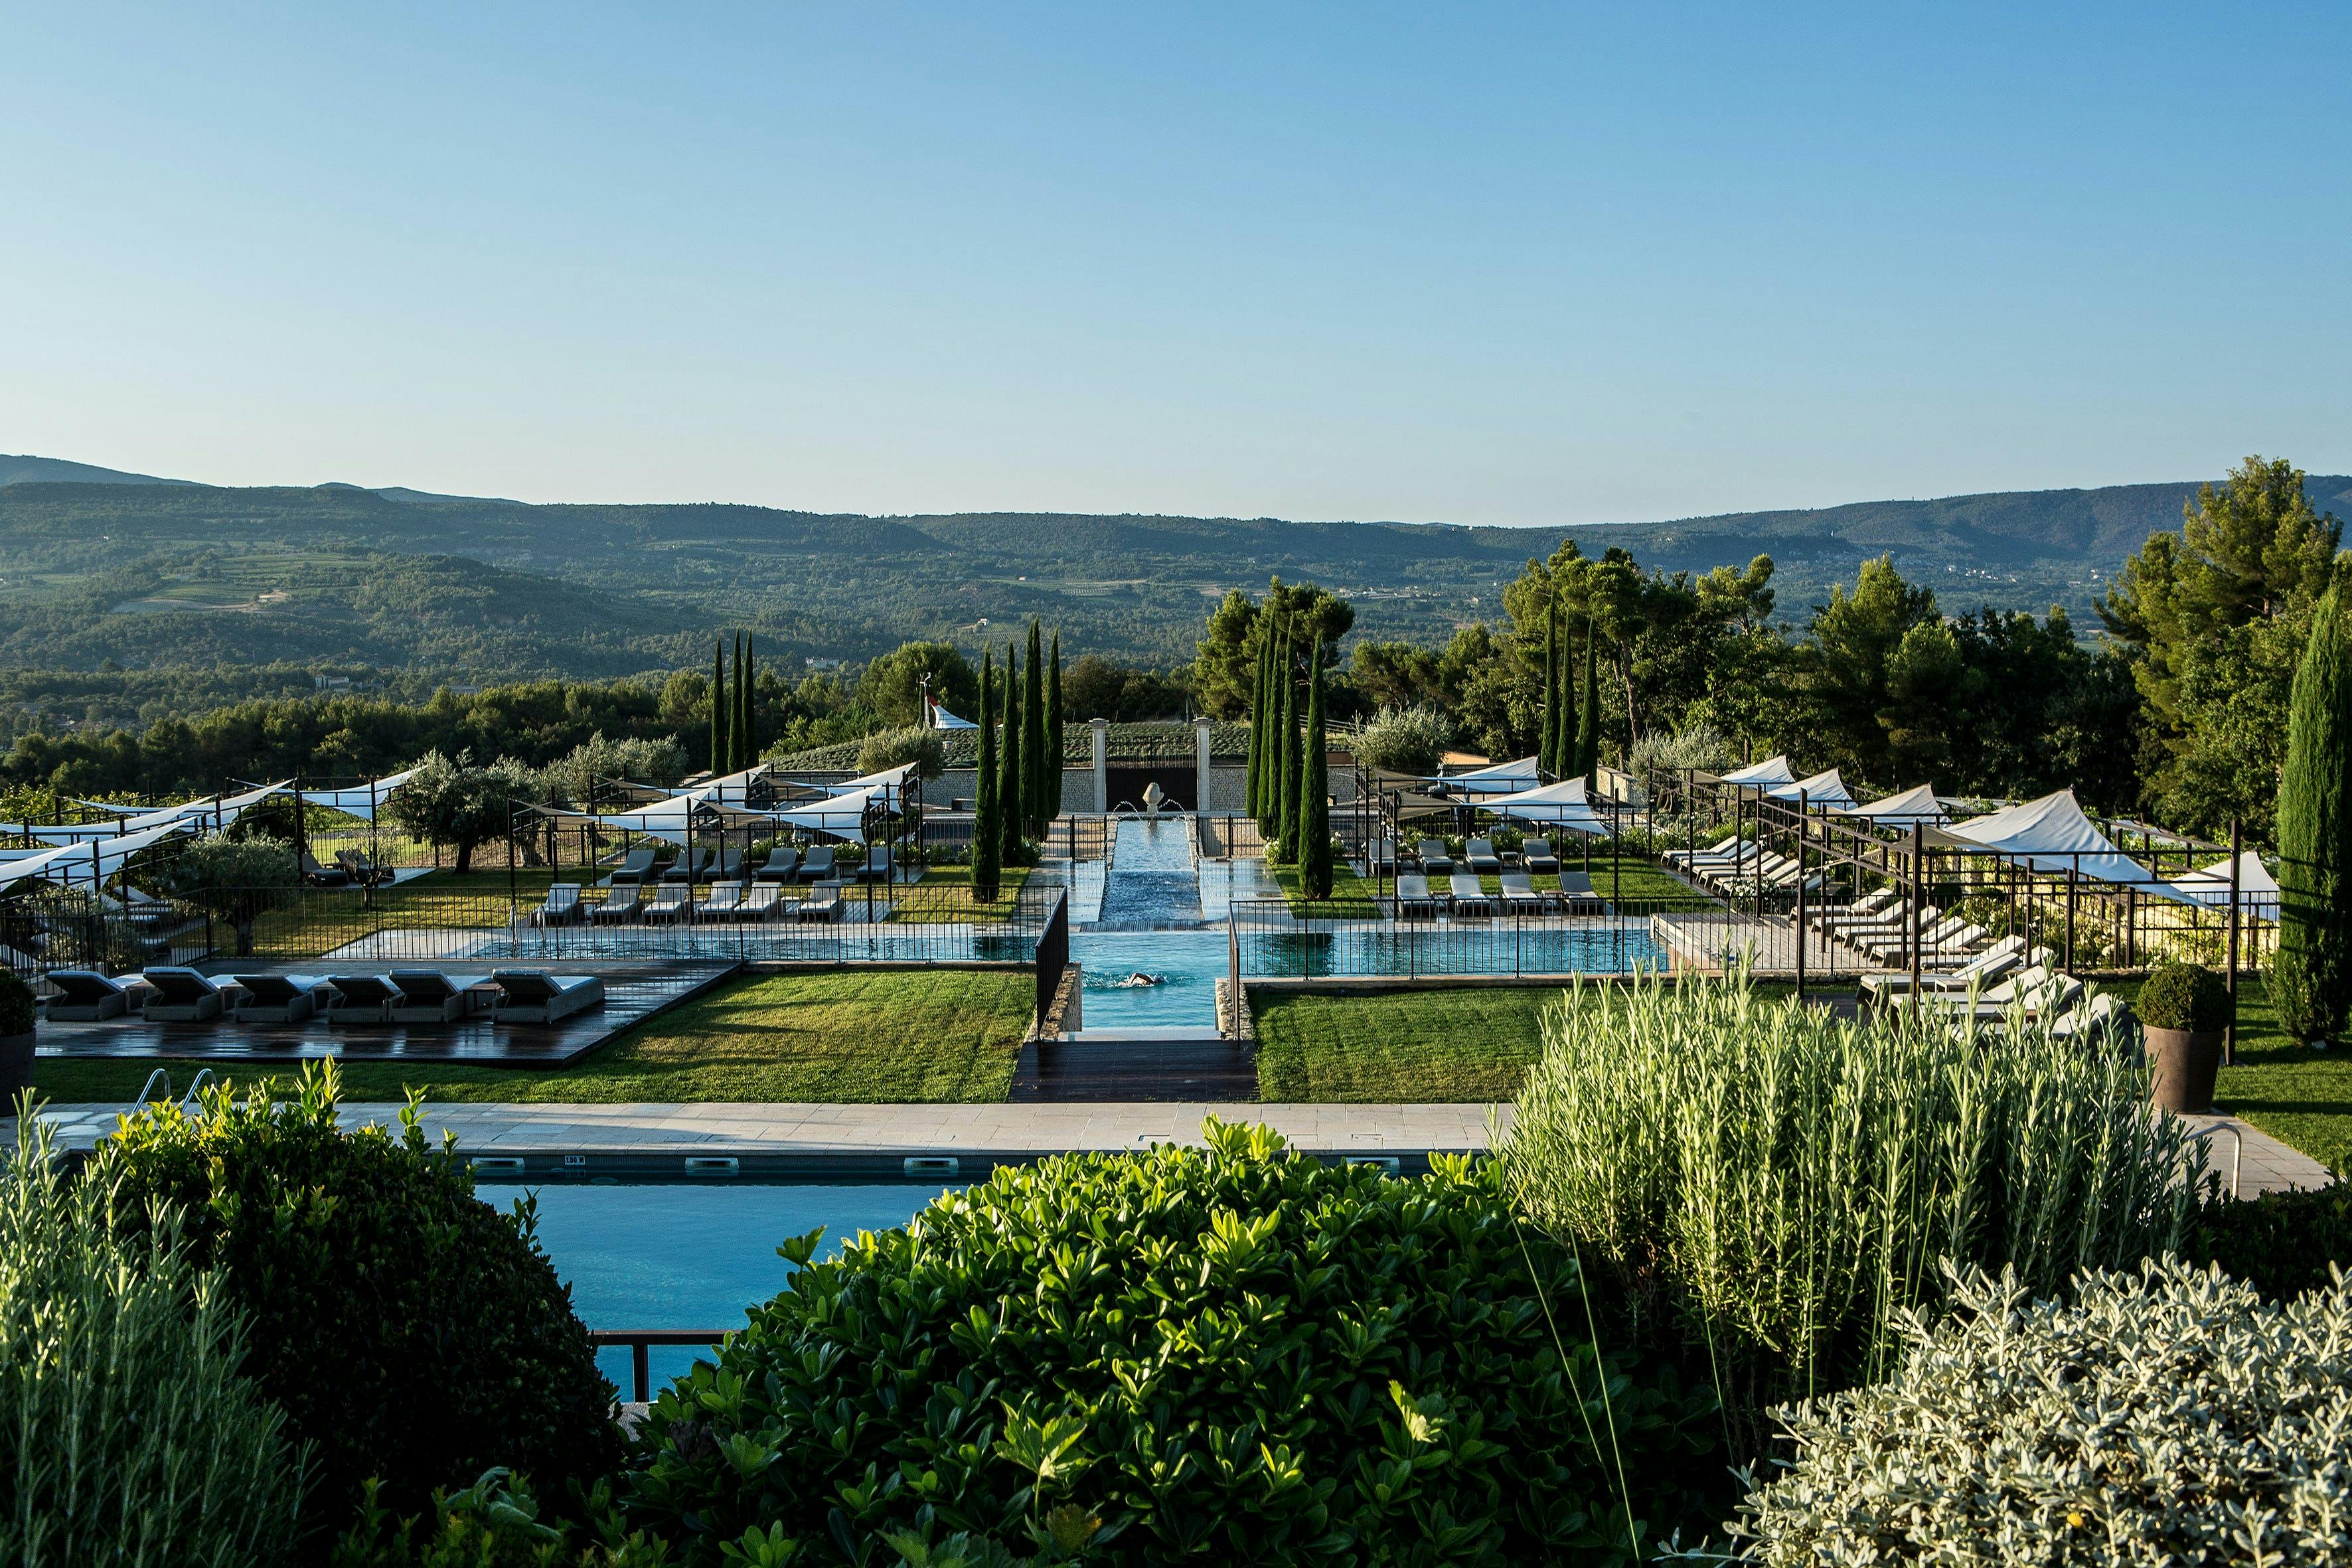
2170	1417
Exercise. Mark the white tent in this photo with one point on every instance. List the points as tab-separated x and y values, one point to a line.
940	717
1498	778
1770	771
843	815
1562	805
1823	792
2051	835
362	801
1917	804
2258	890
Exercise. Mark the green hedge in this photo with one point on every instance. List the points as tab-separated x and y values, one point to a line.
1235	1354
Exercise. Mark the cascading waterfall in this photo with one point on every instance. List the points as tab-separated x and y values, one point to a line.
1153	882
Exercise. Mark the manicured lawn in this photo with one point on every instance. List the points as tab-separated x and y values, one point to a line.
323	919
883	1036
945	898
2289	1090
1347	888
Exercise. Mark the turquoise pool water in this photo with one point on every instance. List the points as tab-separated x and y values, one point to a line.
689	1255
1187	963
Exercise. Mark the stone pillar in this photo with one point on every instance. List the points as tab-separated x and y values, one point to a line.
1200	765
1101	728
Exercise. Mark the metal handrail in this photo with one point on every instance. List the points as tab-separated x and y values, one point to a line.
640	1340
147	1095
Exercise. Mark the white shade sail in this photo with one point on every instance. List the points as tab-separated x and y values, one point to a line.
1917	804
842	816
91	862
1823	791
674	820
1498	778
941	719
2053	835
361	801
1770	771
735	789
1562	805
213	811
2258	890
889	782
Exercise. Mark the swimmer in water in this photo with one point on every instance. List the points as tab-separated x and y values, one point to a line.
1140	978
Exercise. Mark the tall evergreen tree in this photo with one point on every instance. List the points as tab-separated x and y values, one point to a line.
1033	773
1255	784
1286	825
1008	806
1564	738
735	712
1548	736
1059	760
746	692
1588	710
719	708
1314	855
987	835
2312	981
1270	824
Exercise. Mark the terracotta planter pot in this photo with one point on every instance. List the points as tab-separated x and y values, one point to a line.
16	1070
2184	1061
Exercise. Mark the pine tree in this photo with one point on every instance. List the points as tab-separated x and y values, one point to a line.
1257	724
987	845
719	710
1588	711
1314	854
1057	759
1009	811
1033	741
2312	980
1548	737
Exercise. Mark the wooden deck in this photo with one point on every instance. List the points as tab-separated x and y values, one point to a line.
633	992
1140	1069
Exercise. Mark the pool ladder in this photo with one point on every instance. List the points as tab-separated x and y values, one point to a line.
188	1101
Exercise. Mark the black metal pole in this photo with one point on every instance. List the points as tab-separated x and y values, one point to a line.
2230	969
1801	897
1918	892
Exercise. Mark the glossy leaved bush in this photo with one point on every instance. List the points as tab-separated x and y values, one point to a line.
1227	1355
412	1332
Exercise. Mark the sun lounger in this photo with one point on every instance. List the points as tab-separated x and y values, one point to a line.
365	871
2102	1017
86	996
724	903
1434	861
1576	892
822	903
2020	989
690	866
561	908
182	996
669	903
533	996
278	998
1519	894
1538	856
818	866
361	999
1480	854
1379	859
783	864
1468	896
730	867
762	901
1720	851
878	864
426	996
320	876
1980	971
634	867
620	905
1413	894
1863	907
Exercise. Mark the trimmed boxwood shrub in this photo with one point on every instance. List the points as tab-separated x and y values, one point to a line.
1229	1354
411	1332
2168	1417
2184	997
16	1010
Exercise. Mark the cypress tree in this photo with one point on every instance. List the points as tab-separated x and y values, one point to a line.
1033	740
1564	741
735	711
1269	823
1286	826
1314	855
747	692
1588	711
1058	760
1009	811
719	706
2313	977
1257	728
1548	738
987	847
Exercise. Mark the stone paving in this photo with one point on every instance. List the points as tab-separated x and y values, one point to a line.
2264	1164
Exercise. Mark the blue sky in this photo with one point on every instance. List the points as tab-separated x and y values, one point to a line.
1478	264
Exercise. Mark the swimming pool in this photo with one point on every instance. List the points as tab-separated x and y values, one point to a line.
1187	964
1498	947
690	1255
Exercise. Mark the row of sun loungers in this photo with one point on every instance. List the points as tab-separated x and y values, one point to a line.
1465	894
1963	972
169	995
785	865
673	903
1536	856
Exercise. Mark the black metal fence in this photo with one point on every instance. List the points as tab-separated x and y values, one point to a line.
439	920
1373	939
1053	956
